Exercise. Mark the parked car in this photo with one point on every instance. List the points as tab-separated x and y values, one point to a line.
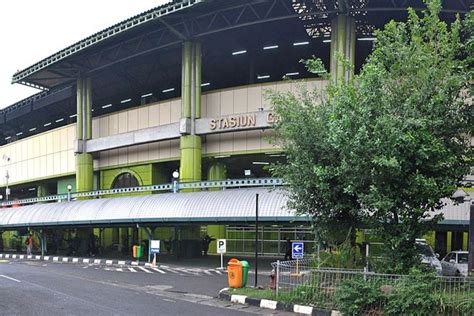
455	263
428	256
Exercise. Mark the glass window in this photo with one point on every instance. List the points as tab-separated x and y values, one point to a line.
462	258
125	180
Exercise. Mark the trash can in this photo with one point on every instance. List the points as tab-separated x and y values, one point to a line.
137	251
245	272
234	273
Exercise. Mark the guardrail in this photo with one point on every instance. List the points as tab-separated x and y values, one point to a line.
173	187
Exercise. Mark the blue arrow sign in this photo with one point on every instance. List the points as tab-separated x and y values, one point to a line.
297	250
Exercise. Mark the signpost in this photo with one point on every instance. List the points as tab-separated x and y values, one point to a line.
222	249
154	248
297	252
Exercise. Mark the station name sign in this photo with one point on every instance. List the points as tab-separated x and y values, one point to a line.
239	121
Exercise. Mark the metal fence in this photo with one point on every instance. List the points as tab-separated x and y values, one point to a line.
300	281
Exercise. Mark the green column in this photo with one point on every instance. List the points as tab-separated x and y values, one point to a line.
84	161
42	190
343	39
190	145
216	171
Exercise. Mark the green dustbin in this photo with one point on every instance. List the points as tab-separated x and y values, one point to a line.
245	272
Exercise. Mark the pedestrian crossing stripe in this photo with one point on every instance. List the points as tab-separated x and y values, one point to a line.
143	269
132	269
158	270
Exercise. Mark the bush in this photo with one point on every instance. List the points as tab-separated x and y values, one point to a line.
413	295
356	296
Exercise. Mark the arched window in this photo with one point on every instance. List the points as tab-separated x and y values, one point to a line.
125	180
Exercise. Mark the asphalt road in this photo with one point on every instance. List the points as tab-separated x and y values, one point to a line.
44	288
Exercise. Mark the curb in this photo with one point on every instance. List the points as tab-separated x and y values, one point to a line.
276	305
61	259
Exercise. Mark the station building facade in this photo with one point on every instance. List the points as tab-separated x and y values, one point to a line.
182	88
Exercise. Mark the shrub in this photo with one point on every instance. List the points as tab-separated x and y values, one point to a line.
413	295
356	296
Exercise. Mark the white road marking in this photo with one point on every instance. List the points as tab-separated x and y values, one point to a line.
207	272
218	272
119	269
45	258
55	259
165	299
65	259
141	268
21	257
14	256
121	262
158	270
9	278
75	260
85	260
85	267
171	270
109	261
132	269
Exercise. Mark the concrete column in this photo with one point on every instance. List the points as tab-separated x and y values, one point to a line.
216	171
343	39
84	162
190	143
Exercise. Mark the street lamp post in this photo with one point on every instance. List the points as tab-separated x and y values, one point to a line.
461	196
175	181
7	176
69	188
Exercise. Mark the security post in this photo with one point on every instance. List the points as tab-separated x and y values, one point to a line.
221	248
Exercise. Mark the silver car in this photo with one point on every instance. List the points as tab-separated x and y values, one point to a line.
455	263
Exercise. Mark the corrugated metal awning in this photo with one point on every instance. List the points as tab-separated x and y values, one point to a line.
232	205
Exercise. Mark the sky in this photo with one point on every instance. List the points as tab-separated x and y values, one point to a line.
32	30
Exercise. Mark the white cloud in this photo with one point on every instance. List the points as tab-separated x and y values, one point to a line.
33	30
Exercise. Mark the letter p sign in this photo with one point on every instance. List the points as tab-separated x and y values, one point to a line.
221	246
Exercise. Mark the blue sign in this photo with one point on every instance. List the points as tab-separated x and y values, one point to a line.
155	246
297	250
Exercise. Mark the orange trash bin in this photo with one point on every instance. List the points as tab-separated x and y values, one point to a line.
234	273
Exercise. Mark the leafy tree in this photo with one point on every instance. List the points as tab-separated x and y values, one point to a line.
382	149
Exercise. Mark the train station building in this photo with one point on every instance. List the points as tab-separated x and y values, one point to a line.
158	126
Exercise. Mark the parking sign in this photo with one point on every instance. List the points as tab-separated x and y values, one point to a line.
155	246
297	250
221	246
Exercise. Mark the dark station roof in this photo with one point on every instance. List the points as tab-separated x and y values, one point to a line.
142	54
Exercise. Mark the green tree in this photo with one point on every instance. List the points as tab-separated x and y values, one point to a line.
384	148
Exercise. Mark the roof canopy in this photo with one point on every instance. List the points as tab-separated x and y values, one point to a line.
232	205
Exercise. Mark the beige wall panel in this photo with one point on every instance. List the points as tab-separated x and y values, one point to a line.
174	149
103	159
123	122
143	117
113	157
56	141
241	100
31	149
227	102
113	124
122	156
213	144
132	154
63	141
240	141
56	163
164	116
71	136
155	148
45	166
49	143
143	152
227	142
154	115
254	96
95	128
63	165
213	104
203	105
103	127
253	140
265	102
132	120
175	114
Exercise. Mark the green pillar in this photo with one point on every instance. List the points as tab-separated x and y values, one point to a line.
343	39
84	161
216	171
465	239
449	241
190	143
42	190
